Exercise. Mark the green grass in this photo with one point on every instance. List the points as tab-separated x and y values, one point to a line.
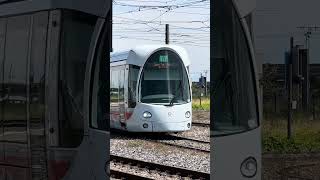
132	144
305	135
205	104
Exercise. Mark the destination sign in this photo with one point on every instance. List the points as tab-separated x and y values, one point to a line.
163	58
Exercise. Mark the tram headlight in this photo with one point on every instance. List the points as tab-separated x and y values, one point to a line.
147	114
249	167
188	114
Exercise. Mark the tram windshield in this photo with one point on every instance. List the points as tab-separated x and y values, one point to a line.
165	80
234	94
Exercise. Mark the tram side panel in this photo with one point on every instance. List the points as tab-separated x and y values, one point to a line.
42	65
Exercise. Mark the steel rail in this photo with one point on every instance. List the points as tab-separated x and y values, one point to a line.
119	175
161	168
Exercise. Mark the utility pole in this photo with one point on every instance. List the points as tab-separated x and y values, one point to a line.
206	89
201	84
308	30
289	128
167	33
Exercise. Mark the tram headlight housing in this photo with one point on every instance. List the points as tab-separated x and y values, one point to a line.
147	114
188	114
249	167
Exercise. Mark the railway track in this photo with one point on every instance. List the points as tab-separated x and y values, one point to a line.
176	137
120	175
158	136
201	124
185	147
192	144
155	168
190	140
300	172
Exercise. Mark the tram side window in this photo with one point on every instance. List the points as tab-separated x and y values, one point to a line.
15	80
133	79
77	29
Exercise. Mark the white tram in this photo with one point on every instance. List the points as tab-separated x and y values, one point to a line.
150	89
236	107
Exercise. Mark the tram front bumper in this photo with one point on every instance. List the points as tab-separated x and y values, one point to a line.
171	126
149	126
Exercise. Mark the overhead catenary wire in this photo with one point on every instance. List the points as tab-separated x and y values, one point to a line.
171	6
144	20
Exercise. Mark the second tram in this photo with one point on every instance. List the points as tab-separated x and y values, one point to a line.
150	89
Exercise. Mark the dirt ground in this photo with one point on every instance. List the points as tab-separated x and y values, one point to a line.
292	166
201	116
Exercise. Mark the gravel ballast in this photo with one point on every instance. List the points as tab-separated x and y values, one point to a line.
196	132
160	153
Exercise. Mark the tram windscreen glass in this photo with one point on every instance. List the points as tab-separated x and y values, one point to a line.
165	80
234	102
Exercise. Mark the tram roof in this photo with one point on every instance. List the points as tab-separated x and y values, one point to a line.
15	7
139	54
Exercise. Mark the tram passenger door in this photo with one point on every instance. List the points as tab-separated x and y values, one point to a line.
117	104
127	88
122	96
114	97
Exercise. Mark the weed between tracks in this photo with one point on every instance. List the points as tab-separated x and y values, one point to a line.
132	144
205	104
305	137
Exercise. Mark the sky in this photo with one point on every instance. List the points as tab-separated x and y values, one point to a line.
277	20
140	22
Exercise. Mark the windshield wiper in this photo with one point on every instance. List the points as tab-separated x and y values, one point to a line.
175	97
171	102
